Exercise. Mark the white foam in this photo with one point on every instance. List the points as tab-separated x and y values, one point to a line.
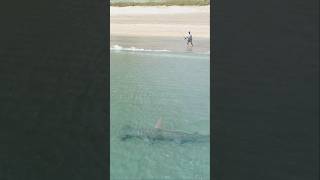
208	52
120	48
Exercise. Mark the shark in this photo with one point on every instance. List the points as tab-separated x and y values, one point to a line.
158	133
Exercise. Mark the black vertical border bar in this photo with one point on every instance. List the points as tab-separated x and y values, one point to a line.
54	90
276	41
213	162
108	85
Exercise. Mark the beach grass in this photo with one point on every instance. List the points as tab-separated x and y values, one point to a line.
164	3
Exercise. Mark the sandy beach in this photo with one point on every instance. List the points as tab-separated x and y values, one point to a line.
160	21
159	26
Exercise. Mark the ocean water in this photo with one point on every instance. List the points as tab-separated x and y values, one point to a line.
146	86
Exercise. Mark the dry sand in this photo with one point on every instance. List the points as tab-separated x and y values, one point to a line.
172	21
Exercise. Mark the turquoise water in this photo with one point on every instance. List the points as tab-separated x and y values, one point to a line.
146	86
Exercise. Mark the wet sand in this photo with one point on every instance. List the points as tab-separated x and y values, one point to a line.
176	44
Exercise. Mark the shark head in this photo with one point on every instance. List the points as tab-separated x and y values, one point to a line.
129	132
126	132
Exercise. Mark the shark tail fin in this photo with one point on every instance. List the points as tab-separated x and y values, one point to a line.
158	123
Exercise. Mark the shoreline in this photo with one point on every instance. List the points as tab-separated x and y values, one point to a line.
159	44
160	27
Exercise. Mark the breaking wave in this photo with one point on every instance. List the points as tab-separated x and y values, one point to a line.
120	48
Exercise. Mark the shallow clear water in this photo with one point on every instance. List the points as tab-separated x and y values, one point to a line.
146	86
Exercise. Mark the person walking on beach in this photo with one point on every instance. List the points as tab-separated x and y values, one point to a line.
189	39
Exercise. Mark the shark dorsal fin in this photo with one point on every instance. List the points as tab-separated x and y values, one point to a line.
158	124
